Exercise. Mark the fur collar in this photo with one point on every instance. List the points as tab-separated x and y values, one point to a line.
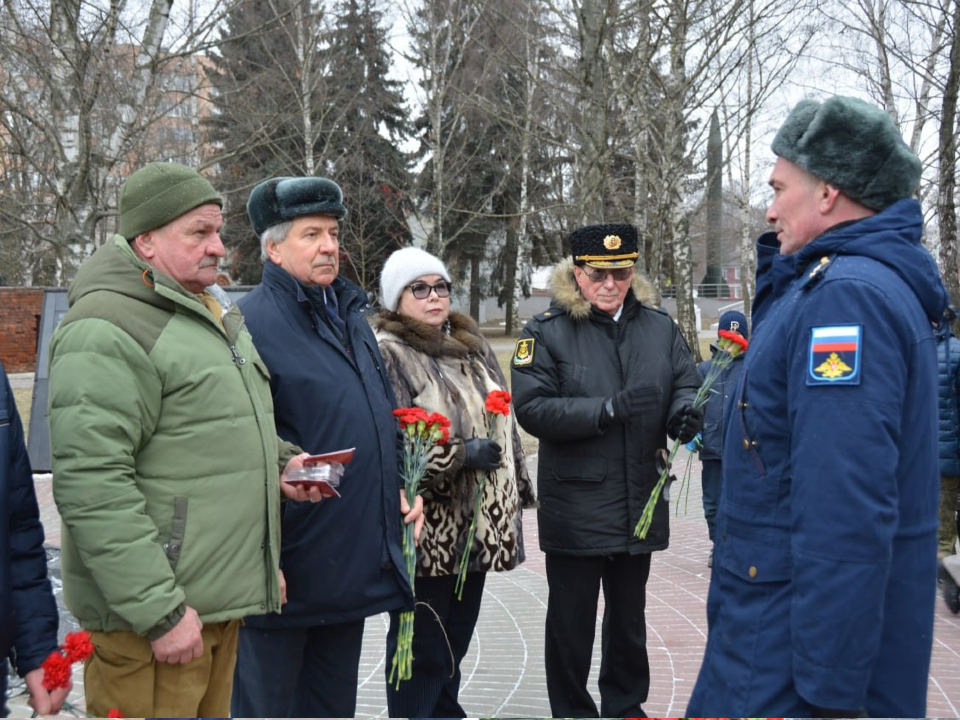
463	339
566	292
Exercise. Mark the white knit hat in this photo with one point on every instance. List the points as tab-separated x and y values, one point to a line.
403	267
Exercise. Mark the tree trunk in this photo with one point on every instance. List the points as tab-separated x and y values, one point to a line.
593	151
946	208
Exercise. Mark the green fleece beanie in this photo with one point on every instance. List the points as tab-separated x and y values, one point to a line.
159	193
853	146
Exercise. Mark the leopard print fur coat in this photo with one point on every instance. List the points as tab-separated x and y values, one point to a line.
451	371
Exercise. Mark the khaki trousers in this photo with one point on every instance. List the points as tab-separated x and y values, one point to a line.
122	673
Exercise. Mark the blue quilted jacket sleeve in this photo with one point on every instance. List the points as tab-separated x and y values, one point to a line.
29	612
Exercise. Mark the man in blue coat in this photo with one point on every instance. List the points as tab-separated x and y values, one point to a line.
28	611
948	362
342	558
822	593
711	440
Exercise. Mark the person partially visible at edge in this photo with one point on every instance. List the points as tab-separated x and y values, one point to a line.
28	610
438	360
343	558
601	378
948	363
821	598
166	465
711	441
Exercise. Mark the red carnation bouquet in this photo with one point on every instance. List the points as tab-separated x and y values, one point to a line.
730	345
58	667
421	431
498	403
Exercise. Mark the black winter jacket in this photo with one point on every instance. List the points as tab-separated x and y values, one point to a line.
342	558
592	483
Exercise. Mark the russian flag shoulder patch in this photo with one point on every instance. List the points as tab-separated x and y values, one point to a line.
835	354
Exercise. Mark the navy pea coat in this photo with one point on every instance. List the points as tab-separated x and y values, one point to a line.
342	558
824	573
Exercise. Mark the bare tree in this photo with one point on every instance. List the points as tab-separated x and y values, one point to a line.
81	82
946	207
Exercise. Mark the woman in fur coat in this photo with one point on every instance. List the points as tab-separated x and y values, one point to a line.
439	361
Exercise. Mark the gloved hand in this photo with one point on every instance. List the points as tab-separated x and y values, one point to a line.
686	423
633	401
482	454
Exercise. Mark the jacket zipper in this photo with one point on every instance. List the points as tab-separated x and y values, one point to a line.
237	357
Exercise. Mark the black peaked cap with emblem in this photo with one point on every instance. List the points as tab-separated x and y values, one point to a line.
281	199
609	245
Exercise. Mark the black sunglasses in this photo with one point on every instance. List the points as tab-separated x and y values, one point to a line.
600	274
421	290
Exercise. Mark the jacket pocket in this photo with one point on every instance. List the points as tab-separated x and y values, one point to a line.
178	530
744	414
579	469
756	560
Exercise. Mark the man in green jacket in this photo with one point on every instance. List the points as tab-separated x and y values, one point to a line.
166	463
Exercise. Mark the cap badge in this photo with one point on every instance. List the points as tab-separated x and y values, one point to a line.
612	242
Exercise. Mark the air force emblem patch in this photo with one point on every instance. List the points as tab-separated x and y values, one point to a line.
523	354
835	354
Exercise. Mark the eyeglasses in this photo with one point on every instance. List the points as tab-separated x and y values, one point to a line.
421	291
598	275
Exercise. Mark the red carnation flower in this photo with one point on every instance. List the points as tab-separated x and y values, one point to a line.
56	671
77	646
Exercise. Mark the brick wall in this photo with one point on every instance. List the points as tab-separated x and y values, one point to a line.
20	310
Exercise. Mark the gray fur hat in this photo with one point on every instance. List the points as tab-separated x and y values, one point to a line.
853	146
286	198
403	267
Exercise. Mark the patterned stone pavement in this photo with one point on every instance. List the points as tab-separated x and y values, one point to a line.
503	673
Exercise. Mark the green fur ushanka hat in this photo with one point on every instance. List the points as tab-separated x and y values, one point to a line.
286	198
853	146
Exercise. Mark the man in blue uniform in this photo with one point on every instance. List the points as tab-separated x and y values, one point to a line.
822	594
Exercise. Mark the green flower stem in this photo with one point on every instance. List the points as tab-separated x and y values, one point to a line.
727	352
414	468
471	534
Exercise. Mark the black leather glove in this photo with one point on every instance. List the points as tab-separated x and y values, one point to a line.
686	423
482	454
634	401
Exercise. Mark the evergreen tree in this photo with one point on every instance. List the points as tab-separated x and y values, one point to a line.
265	120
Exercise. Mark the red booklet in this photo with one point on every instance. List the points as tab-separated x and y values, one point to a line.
337	456
317	472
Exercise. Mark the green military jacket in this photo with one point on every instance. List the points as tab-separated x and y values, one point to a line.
165	454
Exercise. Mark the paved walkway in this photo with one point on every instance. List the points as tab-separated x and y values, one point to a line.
503	673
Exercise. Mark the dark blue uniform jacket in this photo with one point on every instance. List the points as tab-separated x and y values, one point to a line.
824	572
342	558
